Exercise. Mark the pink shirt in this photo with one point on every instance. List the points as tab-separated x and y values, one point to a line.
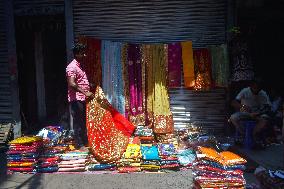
74	70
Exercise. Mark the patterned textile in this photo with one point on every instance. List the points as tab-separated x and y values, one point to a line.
242	68
220	65
74	69
174	64
92	62
136	111
124	64
159	115
112	74
188	64
202	68
108	131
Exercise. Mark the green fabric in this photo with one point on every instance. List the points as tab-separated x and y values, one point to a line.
220	65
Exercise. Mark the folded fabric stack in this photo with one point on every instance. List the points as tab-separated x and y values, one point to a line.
23	154
218	170
73	161
186	157
49	159
168	155
145	135
93	165
150	157
131	160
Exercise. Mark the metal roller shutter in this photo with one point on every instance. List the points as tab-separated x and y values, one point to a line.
38	7
5	85
202	21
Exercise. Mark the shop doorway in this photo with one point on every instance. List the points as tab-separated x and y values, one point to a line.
41	53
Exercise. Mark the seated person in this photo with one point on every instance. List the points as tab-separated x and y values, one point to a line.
252	103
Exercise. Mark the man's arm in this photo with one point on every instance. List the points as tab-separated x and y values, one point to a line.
73	85
236	105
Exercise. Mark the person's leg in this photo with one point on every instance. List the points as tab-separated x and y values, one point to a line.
236	120
261	125
83	124
76	110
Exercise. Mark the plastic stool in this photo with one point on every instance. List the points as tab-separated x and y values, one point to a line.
249	126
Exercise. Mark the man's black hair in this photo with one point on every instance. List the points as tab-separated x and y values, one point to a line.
78	48
258	81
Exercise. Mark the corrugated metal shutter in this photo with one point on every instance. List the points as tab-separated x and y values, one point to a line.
38	7
207	108
202	21
5	85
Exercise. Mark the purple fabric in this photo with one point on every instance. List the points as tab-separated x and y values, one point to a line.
135	79
174	64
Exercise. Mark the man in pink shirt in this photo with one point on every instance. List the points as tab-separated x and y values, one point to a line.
78	91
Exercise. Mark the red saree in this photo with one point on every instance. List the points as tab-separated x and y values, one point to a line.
108	130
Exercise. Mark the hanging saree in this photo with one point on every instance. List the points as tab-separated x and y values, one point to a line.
125	77
220	65
202	65
112	74
108	130
174	64
135	112
188	64
159	115
92	62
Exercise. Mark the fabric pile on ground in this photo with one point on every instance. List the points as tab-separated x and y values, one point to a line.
145	134
218	170
73	161
93	165
186	157
23	154
168	155
150	157
131	160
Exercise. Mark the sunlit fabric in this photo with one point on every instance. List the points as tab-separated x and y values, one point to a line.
159	115
188	64
136	110
112	74
202	66
174	64
108	130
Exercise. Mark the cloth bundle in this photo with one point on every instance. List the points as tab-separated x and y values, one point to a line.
218	170
168	155
51	134
150	157
131	159
145	134
73	161
23	154
186	157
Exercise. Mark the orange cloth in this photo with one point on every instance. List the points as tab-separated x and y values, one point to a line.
188	64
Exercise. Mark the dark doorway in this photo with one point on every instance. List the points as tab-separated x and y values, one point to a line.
41	55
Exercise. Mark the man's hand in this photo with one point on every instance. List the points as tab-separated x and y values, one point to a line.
90	95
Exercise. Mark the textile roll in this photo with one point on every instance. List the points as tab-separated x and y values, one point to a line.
202	65
174	64
136	111
188	64
92	62
125	76
108	131
112	74
220	65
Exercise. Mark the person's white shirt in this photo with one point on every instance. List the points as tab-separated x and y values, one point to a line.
254	101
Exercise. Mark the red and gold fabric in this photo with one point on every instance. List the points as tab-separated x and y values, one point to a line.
108	131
